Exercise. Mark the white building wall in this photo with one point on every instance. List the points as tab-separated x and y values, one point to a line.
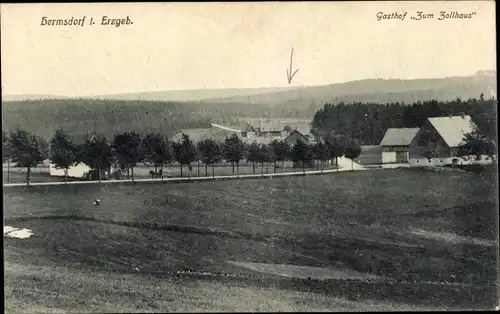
433	162
77	171
388	157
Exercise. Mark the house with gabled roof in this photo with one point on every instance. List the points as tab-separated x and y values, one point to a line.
248	130
264	127
276	129
396	143
444	134
296	136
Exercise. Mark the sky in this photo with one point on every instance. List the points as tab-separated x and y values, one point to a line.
177	46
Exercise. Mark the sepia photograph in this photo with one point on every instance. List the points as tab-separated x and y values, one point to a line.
250	157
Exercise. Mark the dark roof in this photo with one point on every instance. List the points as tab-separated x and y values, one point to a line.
277	125
248	128
264	125
303	128
297	132
399	137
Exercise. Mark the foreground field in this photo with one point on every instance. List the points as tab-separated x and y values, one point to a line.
54	290
406	227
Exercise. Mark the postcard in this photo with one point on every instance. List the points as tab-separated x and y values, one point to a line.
250	156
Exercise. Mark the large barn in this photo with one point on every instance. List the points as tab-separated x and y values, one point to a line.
444	134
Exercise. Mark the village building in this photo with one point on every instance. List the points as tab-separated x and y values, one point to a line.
441	135
295	136
446	135
265	131
268	127
396	143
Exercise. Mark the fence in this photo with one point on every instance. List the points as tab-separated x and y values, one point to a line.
448	161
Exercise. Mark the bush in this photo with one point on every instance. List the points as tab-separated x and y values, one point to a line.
93	175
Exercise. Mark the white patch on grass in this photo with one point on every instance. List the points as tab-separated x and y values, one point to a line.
12	232
451	237
7	229
306	272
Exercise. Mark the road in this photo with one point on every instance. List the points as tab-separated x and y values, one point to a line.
225	128
189	179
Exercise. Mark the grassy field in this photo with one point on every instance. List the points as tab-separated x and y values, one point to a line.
121	293
403	224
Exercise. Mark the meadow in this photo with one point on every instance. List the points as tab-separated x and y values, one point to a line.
412	228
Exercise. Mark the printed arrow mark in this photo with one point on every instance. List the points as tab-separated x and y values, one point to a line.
289	73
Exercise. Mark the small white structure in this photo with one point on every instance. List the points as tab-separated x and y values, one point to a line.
77	171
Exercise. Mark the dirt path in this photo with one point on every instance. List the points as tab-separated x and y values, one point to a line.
193	179
451	237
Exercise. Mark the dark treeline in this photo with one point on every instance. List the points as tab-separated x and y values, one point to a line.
368	122
109	117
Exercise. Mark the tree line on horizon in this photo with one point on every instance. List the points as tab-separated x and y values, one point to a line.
128	149
109	117
368	122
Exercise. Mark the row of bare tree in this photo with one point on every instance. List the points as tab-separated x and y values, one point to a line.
128	149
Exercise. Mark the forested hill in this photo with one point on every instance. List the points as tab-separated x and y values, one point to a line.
301	98
30	97
193	95
108	117
375	90
365	121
